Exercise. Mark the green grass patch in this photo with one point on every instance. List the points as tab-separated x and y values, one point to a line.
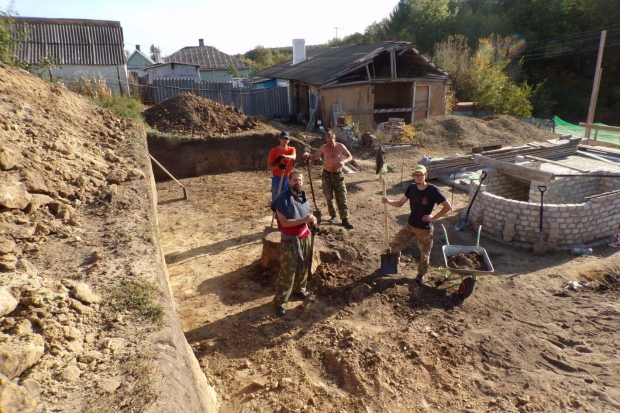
127	107
138	298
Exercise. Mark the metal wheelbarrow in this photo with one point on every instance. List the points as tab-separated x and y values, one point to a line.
467	277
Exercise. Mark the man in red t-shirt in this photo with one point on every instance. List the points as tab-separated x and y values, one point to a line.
280	162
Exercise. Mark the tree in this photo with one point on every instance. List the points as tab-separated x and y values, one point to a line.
155	51
6	39
481	77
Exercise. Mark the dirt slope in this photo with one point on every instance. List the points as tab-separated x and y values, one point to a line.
521	343
77	232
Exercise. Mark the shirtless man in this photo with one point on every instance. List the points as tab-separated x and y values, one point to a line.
335	155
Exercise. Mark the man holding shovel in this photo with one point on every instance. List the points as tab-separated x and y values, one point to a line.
280	163
335	156
422	198
293	211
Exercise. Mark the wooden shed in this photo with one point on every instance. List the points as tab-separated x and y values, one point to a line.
374	82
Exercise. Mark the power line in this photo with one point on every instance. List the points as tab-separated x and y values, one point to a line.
550	55
609	29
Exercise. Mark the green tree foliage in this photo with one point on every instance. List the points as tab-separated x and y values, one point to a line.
6	39
481	76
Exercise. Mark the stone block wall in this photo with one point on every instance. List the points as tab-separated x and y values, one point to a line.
608	185
564	224
564	190
506	186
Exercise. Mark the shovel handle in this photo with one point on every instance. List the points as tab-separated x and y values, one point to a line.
483	175
385	218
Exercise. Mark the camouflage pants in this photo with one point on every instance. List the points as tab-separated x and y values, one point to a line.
425	244
335	188
289	279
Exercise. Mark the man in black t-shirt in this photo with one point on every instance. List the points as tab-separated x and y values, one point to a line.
422	198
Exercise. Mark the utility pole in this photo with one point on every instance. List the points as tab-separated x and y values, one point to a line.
337	30
597	81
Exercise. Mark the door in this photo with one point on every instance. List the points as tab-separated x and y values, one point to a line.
421	102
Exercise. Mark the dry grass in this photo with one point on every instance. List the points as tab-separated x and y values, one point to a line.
94	88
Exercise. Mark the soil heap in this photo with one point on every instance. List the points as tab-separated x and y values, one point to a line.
192	115
463	133
76	235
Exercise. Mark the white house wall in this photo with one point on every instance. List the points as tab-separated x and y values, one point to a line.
179	72
115	76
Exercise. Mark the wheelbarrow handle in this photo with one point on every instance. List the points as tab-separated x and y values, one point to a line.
445	234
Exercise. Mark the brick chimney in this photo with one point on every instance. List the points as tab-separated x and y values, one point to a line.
137	47
201	42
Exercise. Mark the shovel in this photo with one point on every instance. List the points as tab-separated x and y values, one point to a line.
461	224
389	261
540	247
310	298
316	212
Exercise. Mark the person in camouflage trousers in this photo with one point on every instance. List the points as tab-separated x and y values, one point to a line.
334	188
293	275
422	198
424	237
293	212
335	156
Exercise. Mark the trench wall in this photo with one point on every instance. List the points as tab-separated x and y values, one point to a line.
186	157
569	219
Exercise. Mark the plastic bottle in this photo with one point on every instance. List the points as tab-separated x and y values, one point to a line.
581	251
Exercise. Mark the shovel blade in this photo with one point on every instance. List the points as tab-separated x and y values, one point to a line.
461	224
389	264
540	248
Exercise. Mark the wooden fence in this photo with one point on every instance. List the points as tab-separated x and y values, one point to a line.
272	102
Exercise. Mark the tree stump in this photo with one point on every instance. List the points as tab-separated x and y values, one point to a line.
270	258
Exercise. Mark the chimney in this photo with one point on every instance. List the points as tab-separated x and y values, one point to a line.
201	42
137	47
157	56
299	50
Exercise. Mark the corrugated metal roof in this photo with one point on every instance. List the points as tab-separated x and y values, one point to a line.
327	65
207	57
70	41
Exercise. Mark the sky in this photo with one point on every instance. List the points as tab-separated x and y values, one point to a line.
232	26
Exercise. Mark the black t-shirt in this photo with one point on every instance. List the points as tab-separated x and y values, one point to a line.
422	203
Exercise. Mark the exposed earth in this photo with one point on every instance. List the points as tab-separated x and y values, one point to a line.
190	114
521	343
538	335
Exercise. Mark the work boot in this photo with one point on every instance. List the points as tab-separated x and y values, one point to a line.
280	310
347	224
332	220
304	295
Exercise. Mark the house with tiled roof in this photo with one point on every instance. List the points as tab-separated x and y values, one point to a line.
82	48
373	82
213	63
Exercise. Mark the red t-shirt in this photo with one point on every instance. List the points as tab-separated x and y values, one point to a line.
274	153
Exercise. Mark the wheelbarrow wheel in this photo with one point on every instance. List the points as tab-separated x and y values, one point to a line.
466	288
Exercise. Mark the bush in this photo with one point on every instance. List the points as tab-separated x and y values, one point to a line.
125	106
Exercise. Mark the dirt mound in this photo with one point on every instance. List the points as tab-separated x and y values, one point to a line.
75	221
190	114
464	133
